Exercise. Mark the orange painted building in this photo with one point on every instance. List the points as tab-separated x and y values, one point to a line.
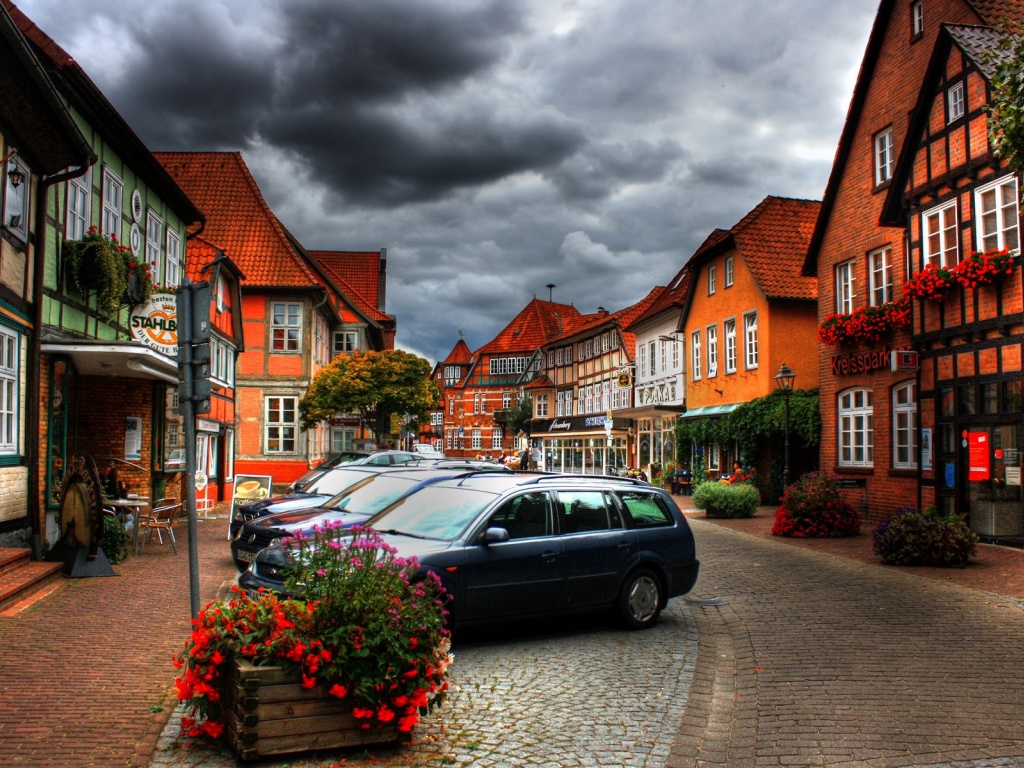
749	309
295	315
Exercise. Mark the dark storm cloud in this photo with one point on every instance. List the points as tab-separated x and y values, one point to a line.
597	170
383	49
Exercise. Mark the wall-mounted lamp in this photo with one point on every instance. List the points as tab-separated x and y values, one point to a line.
16	175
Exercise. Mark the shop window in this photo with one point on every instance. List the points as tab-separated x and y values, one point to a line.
990	397
947	438
968	396
1012	396
285	327
946	402
998	222
281	424
904	417
856	428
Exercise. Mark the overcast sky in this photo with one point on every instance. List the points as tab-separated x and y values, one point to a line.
492	146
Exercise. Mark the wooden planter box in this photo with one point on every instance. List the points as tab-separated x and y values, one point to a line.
268	712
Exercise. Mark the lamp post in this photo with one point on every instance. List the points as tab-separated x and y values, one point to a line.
784	380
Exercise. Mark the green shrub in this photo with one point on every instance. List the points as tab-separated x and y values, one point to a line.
115	540
924	538
732	501
813	507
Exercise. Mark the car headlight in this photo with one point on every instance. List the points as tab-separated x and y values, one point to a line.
275	542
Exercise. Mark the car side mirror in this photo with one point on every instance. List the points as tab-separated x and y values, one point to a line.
493	536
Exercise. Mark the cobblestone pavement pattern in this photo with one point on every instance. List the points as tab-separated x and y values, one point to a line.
816	657
820	660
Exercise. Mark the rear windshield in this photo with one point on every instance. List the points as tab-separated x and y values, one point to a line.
434	512
334	481
647	510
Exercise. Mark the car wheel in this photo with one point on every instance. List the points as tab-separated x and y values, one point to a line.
640	599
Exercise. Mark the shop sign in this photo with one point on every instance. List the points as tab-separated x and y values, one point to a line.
623	380
556	425
977	456
862	362
155	323
903	360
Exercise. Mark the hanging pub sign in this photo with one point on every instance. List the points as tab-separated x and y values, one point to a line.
861	362
155	323
978	467
623	380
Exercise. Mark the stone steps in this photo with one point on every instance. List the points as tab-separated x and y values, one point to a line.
22	579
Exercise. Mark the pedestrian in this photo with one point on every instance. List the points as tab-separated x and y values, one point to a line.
524	459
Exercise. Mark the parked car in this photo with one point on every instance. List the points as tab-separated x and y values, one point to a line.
317	487
468	464
427	451
373	489
515	546
355	458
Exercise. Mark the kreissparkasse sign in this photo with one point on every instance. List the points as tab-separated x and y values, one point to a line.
860	362
155	323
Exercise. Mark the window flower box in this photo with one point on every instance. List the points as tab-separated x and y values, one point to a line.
983	268
930	283
865	325
99	263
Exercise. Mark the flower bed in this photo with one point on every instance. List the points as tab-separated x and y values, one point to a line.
370	631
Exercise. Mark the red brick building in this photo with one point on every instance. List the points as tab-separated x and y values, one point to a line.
959	205
441	431
871	414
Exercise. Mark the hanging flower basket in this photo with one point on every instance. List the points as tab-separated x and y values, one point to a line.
930	283
984	268
99	263
865	325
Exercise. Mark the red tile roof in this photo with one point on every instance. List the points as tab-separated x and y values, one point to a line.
622	318
772	240
238	218
356	274
460	354
672	298
538	323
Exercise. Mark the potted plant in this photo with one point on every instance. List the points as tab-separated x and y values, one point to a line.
99	262
366	644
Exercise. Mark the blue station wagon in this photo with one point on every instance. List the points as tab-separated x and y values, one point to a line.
523	546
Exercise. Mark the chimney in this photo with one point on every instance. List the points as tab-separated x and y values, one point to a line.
382	279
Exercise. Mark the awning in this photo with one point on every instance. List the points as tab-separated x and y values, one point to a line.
128	361
710	410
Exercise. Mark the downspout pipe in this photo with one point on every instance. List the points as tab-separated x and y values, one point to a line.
33	385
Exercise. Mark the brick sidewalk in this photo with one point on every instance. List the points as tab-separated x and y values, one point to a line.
992	569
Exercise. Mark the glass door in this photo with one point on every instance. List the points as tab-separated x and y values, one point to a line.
994	480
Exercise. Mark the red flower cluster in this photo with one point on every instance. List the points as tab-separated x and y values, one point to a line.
865	325
932	282
367	632
814	508
983	268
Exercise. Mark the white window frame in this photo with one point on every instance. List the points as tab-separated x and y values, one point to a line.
477	437
856	433
712	279
885	155
641	362
17	200
904	425
496	438
113	195
846	276
541	405
290	322
955	102
154	241
79	208
880	274
751	352
940	235
344	342
995	206
696	351
730	271
729	332
652	354
917	18
10	387
506	400
712	341
173	279
278	429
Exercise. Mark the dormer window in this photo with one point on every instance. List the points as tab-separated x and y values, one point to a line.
955	102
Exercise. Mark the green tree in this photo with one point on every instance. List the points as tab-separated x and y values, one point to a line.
519	416
376	385
1006	112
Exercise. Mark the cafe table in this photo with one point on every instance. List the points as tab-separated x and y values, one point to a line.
134	504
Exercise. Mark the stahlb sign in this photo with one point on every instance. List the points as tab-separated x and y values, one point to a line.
861	362
155	323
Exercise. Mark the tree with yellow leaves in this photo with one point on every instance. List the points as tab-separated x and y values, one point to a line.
373	384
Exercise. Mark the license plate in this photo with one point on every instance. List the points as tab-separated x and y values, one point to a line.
246	556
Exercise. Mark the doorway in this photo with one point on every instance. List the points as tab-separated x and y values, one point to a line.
993	463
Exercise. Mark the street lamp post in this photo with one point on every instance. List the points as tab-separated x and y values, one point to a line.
784	379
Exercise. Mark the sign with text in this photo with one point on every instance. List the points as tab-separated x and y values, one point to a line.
155	323
978	466
860	362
